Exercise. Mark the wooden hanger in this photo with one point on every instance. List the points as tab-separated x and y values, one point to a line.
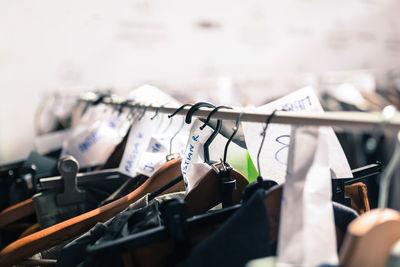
206	194
56	234
370	237
16	212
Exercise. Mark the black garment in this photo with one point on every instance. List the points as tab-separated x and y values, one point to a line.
73	253
244	236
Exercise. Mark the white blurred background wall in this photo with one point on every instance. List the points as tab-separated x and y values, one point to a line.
188	47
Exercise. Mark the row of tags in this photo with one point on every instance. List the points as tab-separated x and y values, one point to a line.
151	138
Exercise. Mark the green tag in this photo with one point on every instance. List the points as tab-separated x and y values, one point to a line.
252	172
239	159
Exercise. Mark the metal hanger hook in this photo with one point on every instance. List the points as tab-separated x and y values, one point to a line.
123	105
179	109
235	130
157	111
212	136
195	108
211	114
263	133
144	111
177	132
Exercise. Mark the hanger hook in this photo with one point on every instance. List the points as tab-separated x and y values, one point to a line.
123	105
144	111
132	110
169	124
235	130
212	113
213	135
155	115
195	108
177	132
267	122
179	109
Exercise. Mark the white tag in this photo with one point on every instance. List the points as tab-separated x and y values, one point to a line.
193	166
159	146
154	156
138	141
148	141
307	229
96	137
275	150
55	109
52	141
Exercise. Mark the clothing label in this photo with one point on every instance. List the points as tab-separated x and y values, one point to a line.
154	156
307	230
138	141
273	157
149	139
96	136
193	166
158	148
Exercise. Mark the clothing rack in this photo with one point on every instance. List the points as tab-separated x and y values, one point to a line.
340	120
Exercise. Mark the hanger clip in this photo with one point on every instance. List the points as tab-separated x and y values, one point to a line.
227	184
68	167
28	174
174	215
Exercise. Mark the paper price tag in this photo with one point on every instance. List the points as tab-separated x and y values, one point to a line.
154	156
138	141
193	166
91	143
273	157
310	239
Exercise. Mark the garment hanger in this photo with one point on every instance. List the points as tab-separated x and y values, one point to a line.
221	184
371	236
188	120
54	235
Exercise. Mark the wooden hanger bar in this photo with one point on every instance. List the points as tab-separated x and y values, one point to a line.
345	120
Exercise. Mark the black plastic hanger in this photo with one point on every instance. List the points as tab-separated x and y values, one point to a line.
188	120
